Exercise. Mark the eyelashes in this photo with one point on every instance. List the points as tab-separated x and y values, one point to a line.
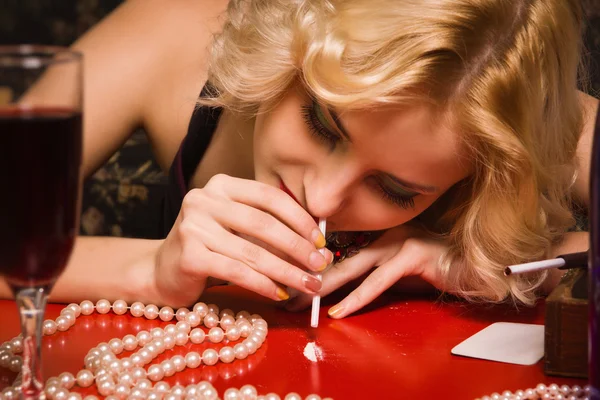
321	132
317	127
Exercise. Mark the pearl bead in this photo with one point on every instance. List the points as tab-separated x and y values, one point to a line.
103	347
169	341
130	342
272	396
211	320
16	363
137	394
192	360
181	313
162	387
119	307
232	394
292	396
248	392
241	351
201	309
233	333
49	327
245	327
166	314
143	338
226	354
181	338
213	308
126	363
62	323
170	329
143	383
312	397
67	380
61	394
177	390
260	322
87	307
137	360
170	396
183	326
116	345
193	319
90	397
105	388
215	335
154	396
121	390
151	311
155	373
168	367
191	390
540	389
85	378
210	393
250	345
137	309
242	315
146	355
126	378
197	336
159	344
74	396
210	357
103	306
157	333
179	363
227	321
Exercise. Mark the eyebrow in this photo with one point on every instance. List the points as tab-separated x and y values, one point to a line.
426	189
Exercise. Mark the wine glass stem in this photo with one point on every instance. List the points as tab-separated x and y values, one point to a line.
32	303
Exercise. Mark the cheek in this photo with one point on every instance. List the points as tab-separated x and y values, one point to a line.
281	135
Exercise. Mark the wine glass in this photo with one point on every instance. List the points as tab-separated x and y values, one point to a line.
40	160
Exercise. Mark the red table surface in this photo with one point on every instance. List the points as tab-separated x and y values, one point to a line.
398	348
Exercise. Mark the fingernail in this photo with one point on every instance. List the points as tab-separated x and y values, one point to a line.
317	261
311	283
318	238
327	254
335	311
282	294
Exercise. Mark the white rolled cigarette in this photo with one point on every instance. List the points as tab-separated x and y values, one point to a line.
316	300
534	266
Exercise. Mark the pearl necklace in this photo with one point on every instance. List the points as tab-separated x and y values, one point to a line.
542	392
126	378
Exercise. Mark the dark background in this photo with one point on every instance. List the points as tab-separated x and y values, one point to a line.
124	197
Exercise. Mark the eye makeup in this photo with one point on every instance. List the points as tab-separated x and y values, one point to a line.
321	122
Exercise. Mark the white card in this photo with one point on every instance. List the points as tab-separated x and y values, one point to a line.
506	342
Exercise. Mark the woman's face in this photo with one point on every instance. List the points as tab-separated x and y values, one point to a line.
362	170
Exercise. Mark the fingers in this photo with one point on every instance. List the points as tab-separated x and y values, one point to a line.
272	200
238	273
337	276
374	285
269	230
200	243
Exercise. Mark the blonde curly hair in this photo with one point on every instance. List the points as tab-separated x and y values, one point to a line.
505	70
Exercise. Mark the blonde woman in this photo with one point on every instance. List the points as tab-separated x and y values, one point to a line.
442	140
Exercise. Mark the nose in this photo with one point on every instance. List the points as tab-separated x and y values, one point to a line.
328	188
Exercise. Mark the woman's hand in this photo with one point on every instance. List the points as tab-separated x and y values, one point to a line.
400	252
244	232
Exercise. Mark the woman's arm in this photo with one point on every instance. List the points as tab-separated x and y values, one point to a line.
144	66
111	268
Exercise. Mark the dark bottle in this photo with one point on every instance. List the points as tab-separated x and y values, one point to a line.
594	268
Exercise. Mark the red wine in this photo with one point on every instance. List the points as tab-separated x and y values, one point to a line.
40	159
